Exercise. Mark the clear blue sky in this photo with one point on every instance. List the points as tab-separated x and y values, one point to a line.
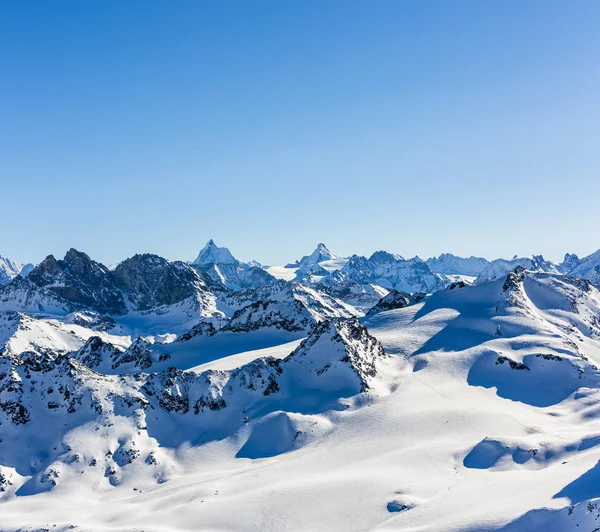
414	126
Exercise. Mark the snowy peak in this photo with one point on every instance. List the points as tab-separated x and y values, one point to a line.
9	269
569	263
320	254
384	257
225	269
213	254
587	268
338	355
151	281
80	280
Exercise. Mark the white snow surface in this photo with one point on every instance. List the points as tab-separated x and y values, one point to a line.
482	414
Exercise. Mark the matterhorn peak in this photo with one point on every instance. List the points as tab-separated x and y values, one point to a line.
213	254
320	254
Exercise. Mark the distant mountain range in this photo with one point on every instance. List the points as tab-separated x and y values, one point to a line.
222	379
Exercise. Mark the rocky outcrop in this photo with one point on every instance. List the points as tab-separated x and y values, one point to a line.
149	281
395	300
81	281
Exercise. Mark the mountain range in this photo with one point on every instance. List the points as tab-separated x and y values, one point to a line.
379	392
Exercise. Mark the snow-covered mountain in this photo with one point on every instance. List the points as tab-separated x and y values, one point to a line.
213	254
449	264
585	268
127	414
223	267
389	271
9	269
21	294
320	254
317	303
501	267
153	386
569	263
311	268
141	283
81	281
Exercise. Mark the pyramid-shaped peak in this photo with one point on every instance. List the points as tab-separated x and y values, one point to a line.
213	254
323	250
320	254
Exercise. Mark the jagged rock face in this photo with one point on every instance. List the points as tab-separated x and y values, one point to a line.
514	279
186	392
320	304
108	358
449	264
80	280
203	328
140	283
338	355
395	300
96	351
338	359
150	281
138	355
390	271
57	384
290	316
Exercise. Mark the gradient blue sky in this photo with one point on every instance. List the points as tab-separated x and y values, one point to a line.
419	127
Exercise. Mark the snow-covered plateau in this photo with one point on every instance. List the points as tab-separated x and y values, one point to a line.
328	394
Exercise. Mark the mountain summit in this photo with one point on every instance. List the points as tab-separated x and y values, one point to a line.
224	268
320	254
213	254
9	269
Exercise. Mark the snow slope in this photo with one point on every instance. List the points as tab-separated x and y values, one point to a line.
472	408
